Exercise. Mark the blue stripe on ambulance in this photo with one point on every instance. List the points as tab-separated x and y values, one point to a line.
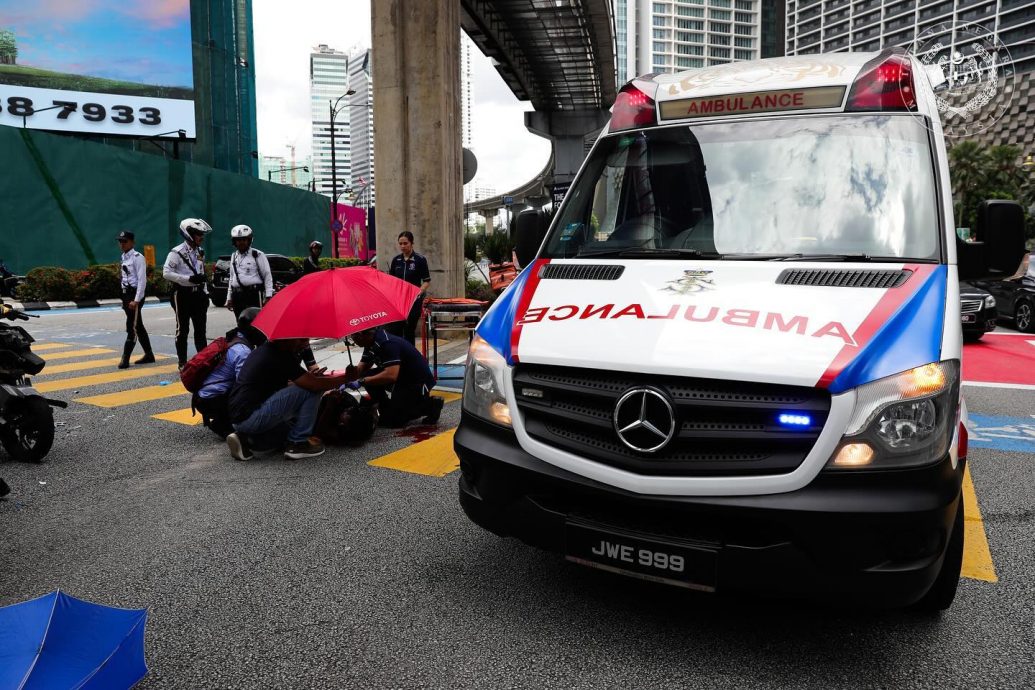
495	328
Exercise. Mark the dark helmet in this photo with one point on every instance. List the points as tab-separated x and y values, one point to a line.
244	325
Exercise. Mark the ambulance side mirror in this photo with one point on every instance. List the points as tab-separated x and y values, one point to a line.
998	248
529	230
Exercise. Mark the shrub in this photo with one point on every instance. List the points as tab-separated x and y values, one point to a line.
98	282
475	289
331	263
47	284
471	248
157	286
497	247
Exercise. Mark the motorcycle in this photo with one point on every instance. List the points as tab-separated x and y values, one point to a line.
26	419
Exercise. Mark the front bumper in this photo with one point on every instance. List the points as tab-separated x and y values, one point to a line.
981	321
865	537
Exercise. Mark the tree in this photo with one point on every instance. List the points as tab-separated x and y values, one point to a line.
8	47
980	173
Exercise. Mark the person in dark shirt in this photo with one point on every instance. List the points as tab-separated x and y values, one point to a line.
264	408
312	262
413	268
397	377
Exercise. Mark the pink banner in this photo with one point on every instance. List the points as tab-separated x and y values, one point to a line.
352	232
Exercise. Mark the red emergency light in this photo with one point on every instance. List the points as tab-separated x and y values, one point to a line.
633	108
884	85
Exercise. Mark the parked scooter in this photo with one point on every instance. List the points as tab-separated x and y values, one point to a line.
26	420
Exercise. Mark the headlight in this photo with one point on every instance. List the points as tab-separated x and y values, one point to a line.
483	383
905	420
989	302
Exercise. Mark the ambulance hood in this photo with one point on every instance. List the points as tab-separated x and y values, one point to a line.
766	321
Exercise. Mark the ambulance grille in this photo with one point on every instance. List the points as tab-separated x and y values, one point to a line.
843	277
582	272
725	428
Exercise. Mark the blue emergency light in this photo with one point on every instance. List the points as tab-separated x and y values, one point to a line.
795	420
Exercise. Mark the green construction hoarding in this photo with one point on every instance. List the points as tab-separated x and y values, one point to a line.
63	200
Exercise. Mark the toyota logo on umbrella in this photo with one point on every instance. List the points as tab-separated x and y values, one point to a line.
644	419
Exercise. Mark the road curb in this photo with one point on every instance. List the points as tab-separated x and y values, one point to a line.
78	304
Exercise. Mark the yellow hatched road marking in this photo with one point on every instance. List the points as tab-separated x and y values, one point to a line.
434	457
88	364
43	347
101	379
977	557
184	416
135	395
72	354
448	396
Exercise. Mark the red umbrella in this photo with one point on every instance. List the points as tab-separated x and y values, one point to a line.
335	303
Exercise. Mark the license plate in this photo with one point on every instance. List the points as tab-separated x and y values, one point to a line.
969	318
643	557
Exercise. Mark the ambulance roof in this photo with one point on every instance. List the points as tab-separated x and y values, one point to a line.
804	71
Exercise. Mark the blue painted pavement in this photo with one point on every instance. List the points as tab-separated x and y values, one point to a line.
1002	433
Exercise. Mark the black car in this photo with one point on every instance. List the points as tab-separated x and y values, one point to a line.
1016	298
285	271
977	311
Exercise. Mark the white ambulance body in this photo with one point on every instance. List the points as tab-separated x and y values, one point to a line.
734	362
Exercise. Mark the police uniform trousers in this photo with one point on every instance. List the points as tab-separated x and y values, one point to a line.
134	324
245	297
190	305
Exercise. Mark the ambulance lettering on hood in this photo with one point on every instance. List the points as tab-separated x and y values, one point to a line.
744	326
743	318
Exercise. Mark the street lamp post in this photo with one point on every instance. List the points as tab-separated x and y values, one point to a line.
334	110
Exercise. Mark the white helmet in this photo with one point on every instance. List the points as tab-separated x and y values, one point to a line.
189	225
240	232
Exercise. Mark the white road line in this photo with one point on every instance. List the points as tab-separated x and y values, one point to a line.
990	384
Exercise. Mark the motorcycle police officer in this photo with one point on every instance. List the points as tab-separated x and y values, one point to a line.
312	262
251	282
133	275
185	269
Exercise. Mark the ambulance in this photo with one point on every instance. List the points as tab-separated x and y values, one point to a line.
733	361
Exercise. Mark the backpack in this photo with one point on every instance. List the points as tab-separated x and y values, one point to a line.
194	372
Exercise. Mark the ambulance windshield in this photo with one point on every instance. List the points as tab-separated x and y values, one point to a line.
811	186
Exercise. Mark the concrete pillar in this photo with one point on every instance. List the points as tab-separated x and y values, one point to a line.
417	153
567	130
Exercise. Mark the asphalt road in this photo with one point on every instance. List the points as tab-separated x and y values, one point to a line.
335	573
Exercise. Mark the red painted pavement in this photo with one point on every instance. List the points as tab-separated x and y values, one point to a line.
1000	359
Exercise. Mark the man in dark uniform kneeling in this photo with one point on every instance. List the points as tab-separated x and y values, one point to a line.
397	377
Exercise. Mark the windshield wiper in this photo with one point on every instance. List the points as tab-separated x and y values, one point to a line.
822	257
652	253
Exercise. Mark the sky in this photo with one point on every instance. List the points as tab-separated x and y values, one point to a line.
285	32
145	42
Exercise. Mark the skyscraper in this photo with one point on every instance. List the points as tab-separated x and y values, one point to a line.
674	35
361	127
329	80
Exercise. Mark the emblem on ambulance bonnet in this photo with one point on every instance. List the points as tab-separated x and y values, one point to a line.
644	419
690	282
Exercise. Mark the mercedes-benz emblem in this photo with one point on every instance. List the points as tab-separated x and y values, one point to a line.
644	419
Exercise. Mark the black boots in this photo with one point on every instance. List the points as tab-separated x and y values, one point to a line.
127	350
149	356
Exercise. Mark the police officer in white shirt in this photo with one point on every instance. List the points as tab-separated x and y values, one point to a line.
133	275
251	282
185	269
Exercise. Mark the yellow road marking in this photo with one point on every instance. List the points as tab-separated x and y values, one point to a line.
135	395
448	396
72	354
977	557
184	416
43	347
100	379
82	366
434	457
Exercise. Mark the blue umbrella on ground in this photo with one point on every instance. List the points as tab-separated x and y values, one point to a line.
58	641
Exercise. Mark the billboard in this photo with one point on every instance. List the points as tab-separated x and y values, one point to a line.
119	67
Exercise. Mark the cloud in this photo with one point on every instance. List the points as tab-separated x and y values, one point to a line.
159	14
